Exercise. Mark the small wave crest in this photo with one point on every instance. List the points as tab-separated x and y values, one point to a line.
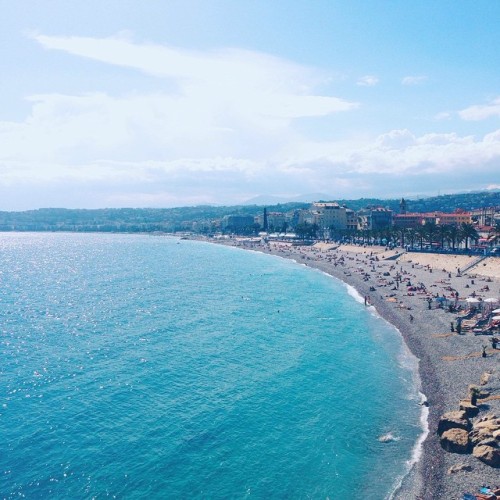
354	294
389	437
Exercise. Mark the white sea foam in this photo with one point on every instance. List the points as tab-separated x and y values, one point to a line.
389	437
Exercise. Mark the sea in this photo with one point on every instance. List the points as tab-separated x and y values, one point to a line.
137	366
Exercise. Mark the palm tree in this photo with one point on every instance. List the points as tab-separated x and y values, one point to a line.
420	233
386	234
402	233
429	230
454	236
411	235
444	230
468	233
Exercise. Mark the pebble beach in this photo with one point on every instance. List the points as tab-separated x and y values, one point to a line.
414	291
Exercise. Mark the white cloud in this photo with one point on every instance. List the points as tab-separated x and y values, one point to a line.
251	82
398	160
481	112
367	81
400	152
229	103
413	80
226	132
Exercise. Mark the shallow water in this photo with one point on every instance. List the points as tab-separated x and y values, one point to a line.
137	366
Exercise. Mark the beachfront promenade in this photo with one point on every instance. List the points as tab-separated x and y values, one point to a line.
424	295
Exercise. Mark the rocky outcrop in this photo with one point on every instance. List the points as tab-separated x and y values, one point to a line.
470	409
461	433
490	455
489	422
454	420
485	437
455	440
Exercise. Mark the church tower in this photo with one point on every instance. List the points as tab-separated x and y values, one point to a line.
403	206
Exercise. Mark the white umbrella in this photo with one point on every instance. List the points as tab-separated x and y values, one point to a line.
472	300
496	311
491	300
495	318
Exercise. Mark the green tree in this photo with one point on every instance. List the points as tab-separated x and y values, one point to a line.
443	230
421	233
469	233
454	236
430	231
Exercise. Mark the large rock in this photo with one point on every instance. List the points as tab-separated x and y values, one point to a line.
469	409
476	436
490	423
453	420
488	454
455	440
485	429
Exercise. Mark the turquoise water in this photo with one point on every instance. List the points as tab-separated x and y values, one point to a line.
148	367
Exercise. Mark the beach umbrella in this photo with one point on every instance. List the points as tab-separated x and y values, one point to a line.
491	300
495	318
472	300
496	311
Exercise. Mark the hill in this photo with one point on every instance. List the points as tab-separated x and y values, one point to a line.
172	219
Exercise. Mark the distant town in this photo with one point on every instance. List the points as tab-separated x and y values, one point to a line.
458	223
476	230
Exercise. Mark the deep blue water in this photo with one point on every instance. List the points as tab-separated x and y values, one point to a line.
148	367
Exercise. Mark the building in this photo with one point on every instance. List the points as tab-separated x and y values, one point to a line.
455	218
276	221
329	215
408	220
301	216
237	222
486	216
414	220
374	218
273	221
351	219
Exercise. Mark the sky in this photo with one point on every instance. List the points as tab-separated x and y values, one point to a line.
164	103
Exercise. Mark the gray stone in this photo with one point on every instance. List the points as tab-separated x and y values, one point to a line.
488	455
476	436
469	409
453	420
460	467
455	441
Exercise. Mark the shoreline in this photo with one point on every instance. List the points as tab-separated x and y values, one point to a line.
447	362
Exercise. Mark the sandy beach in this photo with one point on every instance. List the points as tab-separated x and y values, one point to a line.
414	291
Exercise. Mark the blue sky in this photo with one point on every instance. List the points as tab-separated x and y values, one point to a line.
170	103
